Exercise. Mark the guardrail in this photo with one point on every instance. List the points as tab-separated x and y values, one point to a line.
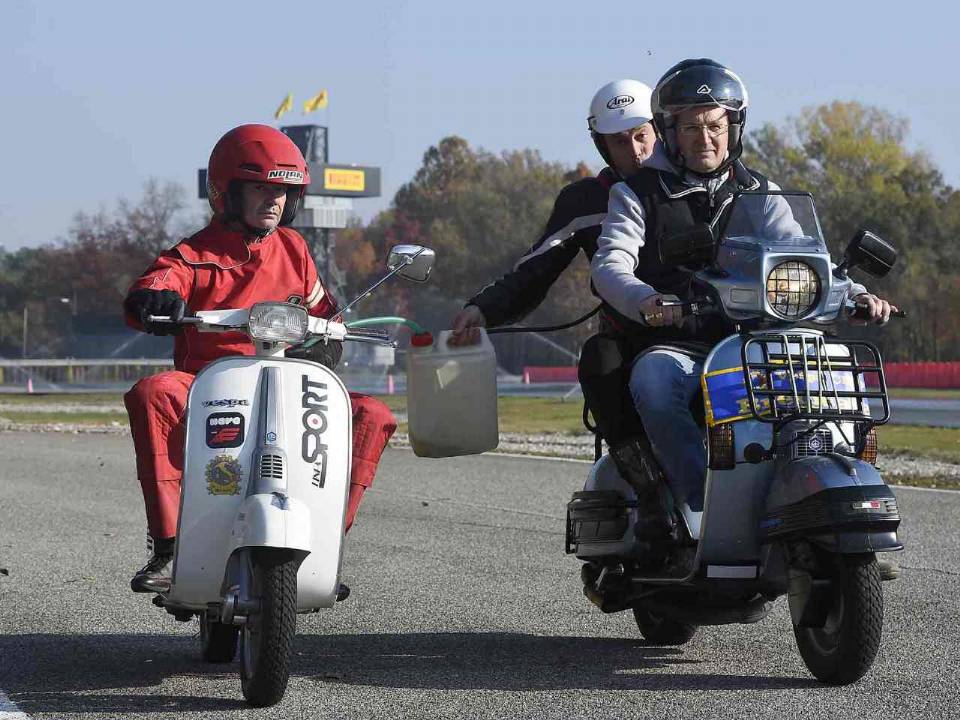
77	371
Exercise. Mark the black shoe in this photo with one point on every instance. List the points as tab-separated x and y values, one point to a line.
635	467
888	565
156	574
679	562
343	592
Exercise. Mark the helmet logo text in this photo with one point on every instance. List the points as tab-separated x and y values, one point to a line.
294	175
619	101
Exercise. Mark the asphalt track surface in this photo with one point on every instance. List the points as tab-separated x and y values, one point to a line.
464	605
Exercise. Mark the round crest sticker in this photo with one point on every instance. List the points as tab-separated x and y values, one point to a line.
223	475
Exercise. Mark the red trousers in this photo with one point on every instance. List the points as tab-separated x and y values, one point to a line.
156	408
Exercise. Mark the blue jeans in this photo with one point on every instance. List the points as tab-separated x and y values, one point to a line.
662	384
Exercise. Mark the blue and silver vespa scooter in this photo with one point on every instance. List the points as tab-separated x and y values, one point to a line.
793	502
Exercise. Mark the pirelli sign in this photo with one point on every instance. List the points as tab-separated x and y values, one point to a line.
344	180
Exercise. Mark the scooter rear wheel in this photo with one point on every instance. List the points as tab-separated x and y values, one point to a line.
267	637
842	651
663	631
218	642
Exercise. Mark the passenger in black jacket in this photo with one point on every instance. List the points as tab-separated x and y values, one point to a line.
619	123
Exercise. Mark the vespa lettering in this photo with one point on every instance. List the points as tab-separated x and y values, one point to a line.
312	448
227	402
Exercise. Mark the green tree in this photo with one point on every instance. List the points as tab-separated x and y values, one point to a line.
89	270
481	211
855	161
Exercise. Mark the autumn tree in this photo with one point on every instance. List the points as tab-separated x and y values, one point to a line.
481	211
89	270
854	160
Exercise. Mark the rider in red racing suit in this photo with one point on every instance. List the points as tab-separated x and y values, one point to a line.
244	256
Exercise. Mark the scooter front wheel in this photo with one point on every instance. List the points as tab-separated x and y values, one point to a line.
843	649
267	637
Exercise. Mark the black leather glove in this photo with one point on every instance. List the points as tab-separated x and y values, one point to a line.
326	353
141	303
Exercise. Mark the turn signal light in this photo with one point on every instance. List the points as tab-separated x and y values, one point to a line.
722	448
869	453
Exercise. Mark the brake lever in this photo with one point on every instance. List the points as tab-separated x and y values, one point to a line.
371	340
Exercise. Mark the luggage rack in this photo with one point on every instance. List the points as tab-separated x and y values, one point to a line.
779	387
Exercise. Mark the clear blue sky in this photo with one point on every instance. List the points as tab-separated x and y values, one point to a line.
98	97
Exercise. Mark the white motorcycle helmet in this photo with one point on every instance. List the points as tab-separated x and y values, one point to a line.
617	106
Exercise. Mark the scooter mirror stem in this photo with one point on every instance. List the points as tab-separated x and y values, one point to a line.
369	290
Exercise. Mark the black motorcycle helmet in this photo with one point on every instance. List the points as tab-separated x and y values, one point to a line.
693	83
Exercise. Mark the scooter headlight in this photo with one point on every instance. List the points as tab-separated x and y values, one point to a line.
793	289
278	322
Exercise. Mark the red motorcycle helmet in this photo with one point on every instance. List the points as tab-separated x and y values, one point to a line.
255	153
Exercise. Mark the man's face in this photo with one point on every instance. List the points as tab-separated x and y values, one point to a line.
263	204
702	136
628	149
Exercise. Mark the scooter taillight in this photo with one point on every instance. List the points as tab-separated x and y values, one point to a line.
722	447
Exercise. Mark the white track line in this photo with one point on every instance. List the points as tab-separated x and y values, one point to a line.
524	456
9	709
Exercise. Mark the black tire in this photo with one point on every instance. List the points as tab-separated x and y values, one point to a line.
218	642
842	651
663	631
267	637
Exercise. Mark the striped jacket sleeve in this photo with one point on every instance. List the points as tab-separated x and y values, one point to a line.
516	294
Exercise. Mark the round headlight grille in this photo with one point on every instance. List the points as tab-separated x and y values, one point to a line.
792	289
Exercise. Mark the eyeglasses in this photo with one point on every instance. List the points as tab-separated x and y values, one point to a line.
714	130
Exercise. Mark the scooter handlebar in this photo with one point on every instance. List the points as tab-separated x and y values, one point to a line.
697	306
861	311
186	320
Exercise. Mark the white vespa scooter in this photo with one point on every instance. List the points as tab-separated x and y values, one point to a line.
265	482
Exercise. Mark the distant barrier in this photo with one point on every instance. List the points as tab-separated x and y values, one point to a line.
923	374
79	372
905	375
541	374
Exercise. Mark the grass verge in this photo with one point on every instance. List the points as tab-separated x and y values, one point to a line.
522	415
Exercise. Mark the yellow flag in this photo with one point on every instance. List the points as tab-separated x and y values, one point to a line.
317	102
285	106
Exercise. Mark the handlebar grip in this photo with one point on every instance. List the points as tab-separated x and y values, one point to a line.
697	306
187	319
861	311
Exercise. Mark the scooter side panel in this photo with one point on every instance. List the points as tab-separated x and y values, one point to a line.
734	499
222	438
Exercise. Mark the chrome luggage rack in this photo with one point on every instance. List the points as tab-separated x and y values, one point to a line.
779	387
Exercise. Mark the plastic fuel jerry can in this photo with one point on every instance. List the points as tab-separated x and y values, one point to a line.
451	397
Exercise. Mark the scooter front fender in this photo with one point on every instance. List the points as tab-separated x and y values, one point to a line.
798	479
273	520
834	501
